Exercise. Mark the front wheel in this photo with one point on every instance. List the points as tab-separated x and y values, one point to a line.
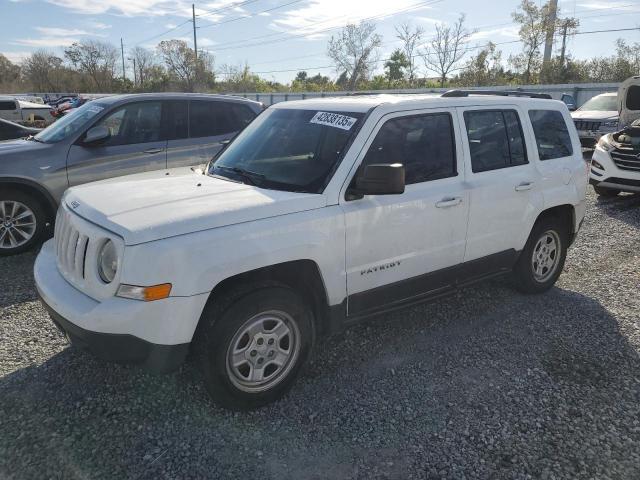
22	222
542	259
253	350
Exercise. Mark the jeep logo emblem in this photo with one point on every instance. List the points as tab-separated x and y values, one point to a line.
75	204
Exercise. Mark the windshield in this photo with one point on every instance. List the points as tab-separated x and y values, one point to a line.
603	103
70	124
294	150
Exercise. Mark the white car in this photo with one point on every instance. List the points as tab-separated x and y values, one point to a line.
16	110
319	214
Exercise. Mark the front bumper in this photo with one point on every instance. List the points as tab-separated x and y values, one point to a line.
155	334
611	176
119	348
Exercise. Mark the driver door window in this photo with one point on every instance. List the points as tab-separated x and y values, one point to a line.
134	123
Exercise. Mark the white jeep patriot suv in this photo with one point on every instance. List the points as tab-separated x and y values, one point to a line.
320	213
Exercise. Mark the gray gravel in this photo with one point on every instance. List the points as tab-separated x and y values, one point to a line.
486	384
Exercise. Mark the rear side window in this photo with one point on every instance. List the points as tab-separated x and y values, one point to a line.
7	105
209	118
552	135
134	123
176	119
495	139
633	97
424	144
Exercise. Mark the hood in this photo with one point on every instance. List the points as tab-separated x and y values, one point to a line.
594	115
20	146
146	207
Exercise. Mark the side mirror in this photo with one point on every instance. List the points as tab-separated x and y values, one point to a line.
381	179
571	107
96	135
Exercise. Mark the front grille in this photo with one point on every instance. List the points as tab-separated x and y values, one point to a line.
71	247
587	125
626	159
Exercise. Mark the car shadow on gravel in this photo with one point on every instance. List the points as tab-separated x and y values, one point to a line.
16	279
625	207
488	383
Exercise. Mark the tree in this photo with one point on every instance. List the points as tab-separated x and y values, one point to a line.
46	72
354	50
395	66
147	69
187	71
9	71
410	38
534	23
483	69
95	59
447	49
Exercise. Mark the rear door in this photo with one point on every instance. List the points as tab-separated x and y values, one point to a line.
211	124
137	144
505	187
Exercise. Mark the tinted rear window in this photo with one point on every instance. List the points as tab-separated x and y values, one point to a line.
7	105
552	136
209	118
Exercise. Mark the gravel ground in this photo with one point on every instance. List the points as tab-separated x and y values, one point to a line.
487	384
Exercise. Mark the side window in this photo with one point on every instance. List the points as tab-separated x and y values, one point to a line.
552	135
209	118
176	119
424	144
495	139
134	123
240	115
7	105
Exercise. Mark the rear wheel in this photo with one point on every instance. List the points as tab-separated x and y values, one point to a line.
253	348
606	192
542	259
22	222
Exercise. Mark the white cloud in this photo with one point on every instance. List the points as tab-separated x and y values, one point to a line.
44	42
61	32
603	5
205	42
264	14
504	32
321	15
98	25
126	7
16	57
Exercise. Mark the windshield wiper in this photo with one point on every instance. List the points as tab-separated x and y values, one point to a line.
248	175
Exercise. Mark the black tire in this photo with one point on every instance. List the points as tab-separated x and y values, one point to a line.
526	279
226	318
40	216
606	192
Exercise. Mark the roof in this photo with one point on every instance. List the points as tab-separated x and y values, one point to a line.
363	103
112	99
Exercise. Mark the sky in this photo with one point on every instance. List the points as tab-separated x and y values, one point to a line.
277	38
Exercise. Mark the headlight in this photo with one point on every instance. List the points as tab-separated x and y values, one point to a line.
604	143
108	262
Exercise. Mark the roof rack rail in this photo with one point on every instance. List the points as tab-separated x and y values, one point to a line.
502	93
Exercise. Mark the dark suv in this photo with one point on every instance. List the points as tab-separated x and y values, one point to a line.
108	137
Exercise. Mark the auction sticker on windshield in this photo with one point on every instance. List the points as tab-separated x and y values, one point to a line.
333	120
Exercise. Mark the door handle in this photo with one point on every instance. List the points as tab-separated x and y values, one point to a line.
154	150
524	186
449	202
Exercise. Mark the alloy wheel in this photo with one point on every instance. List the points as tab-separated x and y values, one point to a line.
17	224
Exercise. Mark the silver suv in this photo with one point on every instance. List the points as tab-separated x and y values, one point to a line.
105	138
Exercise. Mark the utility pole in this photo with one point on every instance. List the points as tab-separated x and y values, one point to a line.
124	75
565	27
551	28
195	41
135	73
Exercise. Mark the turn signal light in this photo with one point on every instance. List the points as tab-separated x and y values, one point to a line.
146	294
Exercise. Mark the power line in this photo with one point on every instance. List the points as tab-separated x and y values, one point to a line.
222	9
163	33
251	15
314	32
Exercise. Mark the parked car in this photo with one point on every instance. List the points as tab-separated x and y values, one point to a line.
320	213
615	166
10	130
598	116
606	113
108	137
20	111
